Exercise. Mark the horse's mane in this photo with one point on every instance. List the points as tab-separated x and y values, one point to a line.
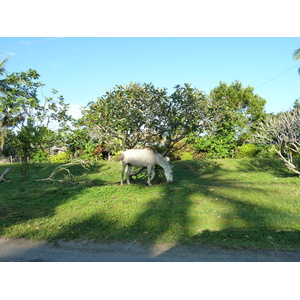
152	149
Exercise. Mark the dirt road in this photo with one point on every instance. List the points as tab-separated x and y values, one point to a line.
21	250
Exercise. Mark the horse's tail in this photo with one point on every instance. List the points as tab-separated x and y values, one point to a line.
121	157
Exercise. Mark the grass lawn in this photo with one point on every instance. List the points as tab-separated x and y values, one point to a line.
243	203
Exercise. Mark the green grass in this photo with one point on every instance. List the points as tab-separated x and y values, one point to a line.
243	203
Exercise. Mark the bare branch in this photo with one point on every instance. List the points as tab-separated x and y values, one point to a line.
62	168
283	133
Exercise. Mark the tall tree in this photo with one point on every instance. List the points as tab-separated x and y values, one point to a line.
28	116
3	89
232	112
3	85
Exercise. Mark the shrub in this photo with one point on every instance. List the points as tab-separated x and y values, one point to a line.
185	155
40	157
246	151
215	147
266	151
62	157
182	151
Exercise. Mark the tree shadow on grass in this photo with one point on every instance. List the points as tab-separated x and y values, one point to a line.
168	219
170	216
162	219
22	201
268	165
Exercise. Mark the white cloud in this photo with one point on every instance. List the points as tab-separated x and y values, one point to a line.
55	64
11	53
7	53
75	111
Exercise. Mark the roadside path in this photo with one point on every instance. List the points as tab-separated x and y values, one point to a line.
22	250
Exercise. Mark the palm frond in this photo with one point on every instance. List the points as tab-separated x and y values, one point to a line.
2	65
297	54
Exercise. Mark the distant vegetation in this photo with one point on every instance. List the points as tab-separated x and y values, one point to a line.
229	122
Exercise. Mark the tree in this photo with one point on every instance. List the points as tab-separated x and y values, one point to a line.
23	112
297	56
3	85
185	114
79	143
3	89
231	115
282	132
296	103
140	115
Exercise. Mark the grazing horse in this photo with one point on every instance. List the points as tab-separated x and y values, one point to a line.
144	158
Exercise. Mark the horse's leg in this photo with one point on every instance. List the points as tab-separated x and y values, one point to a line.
149	168
137	172
153	173
128	173
123	170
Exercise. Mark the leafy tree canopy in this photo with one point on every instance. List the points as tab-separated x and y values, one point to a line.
141	114
26	116
232	111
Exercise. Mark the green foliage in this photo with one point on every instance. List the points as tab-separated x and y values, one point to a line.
220	146
61	158
183	150
27	118
297	54
40	157
230	116
31	141
142	115
232	113
246	151
78	140
185	155
296	104
88	151
265	151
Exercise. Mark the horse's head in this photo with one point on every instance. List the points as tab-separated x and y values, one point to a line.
169	175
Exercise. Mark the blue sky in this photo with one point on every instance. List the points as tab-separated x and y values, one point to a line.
81	69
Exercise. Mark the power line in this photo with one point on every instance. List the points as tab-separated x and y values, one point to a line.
277	76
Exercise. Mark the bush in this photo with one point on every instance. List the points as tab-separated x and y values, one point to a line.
246	151
185	155
215	147
40	157
182	151
62	157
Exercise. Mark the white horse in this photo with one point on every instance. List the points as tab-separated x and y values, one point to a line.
144	158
